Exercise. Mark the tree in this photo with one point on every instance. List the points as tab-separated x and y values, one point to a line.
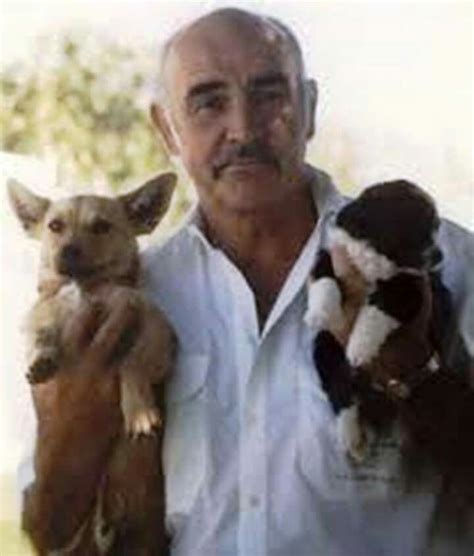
84	102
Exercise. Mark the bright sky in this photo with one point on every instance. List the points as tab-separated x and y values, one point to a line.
395	82
395	77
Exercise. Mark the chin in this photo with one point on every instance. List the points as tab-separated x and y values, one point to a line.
247	190
250	197
250	171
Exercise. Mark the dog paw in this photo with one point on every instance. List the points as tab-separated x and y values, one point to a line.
324	305
353	436
42	369
370	331
143	422
359	354
326	317
313	320
358	448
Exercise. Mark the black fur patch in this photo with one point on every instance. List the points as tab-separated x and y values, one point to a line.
334	370
400	297
323	267
397	219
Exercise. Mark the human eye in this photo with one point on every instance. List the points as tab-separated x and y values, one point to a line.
269	89
270	93
208	103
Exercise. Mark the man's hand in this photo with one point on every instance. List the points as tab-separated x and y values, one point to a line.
405	350
79	416
438	413
354	290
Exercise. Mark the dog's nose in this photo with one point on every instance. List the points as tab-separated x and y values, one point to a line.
71	253
70	259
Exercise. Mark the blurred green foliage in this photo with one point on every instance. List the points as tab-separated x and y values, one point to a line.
84	102
12	541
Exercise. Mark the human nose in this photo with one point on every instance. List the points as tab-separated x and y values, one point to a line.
240	122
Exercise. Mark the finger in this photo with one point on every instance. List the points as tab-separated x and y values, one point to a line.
110	336
353	282
341	261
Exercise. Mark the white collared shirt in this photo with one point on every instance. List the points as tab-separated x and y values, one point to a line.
251	459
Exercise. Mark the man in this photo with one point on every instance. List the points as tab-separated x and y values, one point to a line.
252	467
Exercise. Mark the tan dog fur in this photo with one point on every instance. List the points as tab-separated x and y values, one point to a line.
89	257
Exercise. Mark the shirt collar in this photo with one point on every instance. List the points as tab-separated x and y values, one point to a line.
327	200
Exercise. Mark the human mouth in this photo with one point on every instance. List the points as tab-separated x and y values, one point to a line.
244	158
244	166
247	169
247	163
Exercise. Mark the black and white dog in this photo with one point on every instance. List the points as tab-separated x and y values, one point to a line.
389	234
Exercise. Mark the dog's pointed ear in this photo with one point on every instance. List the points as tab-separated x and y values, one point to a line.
146	206
29	208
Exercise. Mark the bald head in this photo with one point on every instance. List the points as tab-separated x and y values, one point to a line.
237	110
246	26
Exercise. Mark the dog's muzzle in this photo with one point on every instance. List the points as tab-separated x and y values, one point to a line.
70	261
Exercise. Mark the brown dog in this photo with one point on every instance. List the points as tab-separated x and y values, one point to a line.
89	250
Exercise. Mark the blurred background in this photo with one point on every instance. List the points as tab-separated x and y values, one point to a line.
76	79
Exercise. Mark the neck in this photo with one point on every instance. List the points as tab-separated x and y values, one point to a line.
264	244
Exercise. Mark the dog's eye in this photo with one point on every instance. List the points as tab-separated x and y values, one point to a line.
100	226
56	226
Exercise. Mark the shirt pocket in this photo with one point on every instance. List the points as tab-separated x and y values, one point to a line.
326	466
184	449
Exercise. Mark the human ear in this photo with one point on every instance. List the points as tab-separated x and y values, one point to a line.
161	121
311	102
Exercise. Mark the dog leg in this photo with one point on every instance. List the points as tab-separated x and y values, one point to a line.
43	343
324	295
352	434
337	381
133	500
334	371
394	302
43	356
368	335
43	327
140	414
148	363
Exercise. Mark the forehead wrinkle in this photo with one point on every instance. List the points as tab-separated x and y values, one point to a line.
255	82
205	87
244	26
204	71
266	79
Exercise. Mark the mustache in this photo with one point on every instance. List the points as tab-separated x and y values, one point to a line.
232	153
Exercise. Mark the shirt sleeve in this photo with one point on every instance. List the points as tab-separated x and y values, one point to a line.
25	472
457	245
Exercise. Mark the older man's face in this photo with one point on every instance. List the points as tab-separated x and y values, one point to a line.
236	105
